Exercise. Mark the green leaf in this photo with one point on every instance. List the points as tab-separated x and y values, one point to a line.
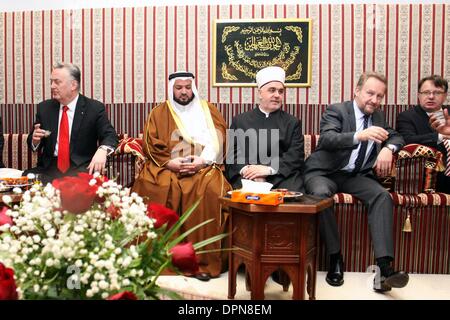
186	233
180	222
216	250
209	240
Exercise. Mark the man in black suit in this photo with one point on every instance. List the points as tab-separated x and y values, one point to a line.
71	132
414	126
355	143
266	144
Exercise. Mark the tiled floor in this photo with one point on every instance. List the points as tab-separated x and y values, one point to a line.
357	286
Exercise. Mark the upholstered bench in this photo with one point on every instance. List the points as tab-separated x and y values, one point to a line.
421	220
16	153
422	247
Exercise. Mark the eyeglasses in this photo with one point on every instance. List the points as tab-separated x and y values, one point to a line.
434	93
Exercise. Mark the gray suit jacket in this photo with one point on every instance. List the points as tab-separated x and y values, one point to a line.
337	128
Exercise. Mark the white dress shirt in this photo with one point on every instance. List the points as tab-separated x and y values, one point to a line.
359	117
70	115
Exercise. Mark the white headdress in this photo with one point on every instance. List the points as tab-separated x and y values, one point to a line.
182	75
270	74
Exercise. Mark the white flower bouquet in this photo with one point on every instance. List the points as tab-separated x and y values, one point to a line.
88	238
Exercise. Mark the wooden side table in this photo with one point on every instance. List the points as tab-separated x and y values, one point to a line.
265	238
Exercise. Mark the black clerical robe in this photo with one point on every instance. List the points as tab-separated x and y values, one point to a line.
274	141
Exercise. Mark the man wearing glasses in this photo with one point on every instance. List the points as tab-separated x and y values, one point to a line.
414	125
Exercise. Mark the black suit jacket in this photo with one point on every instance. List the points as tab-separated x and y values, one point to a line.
90	128
413	125
337	128
288	150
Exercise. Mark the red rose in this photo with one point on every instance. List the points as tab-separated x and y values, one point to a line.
5	219
8	290
125	295
88	177
184	258
113	211
77	196
98	182
162	215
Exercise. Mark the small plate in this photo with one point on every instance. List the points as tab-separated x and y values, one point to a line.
20	185
292	194
289	195
5	188
11	186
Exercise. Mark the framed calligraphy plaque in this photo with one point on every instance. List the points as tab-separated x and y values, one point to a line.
242	47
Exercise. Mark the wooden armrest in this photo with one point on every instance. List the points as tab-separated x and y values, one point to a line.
122	168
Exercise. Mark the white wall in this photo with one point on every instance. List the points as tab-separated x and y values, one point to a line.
29	5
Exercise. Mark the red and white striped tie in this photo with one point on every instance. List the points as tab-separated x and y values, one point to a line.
447	147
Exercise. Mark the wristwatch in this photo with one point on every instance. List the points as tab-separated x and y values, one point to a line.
392	147
108	150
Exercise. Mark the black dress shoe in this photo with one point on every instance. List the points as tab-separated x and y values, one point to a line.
202	276
397	279
380	285
335	275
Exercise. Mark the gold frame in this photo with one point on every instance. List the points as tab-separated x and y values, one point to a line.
260	22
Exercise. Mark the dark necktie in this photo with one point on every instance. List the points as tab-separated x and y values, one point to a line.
362	150
63	142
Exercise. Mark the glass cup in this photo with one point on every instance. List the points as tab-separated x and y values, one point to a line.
34	178
38	178
440	116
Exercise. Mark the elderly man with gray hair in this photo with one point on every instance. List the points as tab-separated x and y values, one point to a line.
71	132
356	145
